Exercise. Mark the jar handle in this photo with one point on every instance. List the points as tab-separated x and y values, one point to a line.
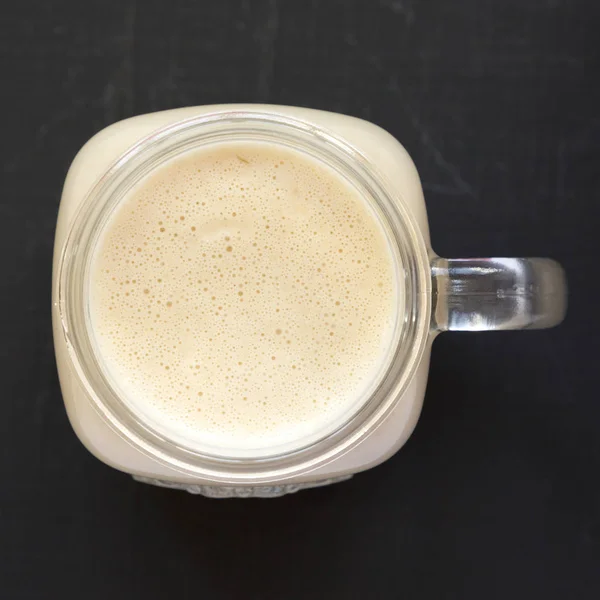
484	294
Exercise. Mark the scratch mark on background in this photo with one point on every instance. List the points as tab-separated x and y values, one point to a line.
313	24
561	168
266	37
172	67
462	186
118	92
128	57
401	7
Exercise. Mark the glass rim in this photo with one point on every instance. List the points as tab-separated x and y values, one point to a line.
138	162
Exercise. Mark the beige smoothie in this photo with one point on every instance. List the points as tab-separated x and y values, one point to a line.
243	297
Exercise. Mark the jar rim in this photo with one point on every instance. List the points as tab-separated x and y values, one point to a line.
144	157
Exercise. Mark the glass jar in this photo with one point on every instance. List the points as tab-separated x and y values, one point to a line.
439	295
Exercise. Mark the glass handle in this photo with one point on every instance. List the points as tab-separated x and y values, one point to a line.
483	294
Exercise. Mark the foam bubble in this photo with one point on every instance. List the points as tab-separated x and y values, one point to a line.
243	296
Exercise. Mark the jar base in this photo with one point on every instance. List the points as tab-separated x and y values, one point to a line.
225	491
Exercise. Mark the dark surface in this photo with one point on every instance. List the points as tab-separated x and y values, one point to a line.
497	494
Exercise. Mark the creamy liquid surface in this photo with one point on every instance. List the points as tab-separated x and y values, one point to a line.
243	297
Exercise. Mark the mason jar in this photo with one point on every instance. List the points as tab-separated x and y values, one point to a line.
438	295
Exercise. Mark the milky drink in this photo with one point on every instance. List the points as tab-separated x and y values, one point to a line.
243	297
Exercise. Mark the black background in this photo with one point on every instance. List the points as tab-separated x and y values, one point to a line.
497	494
